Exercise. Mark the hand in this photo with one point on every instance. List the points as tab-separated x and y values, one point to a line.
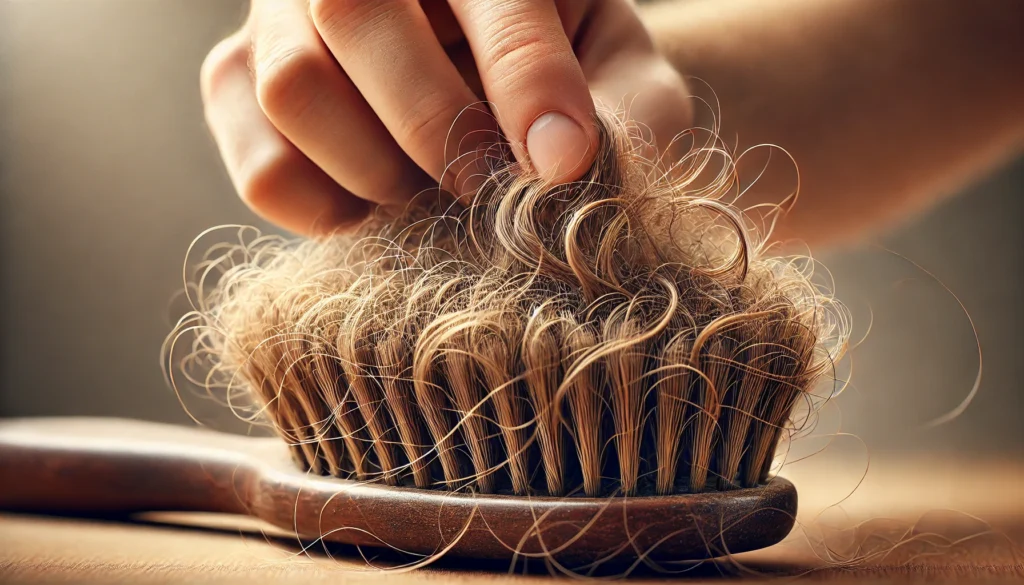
323	109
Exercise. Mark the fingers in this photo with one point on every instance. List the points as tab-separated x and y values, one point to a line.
311	101
530	73
273	177
388	50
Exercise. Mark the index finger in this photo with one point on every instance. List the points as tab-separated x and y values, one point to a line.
389	51
532	76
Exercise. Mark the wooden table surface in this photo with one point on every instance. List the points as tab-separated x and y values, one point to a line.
907	521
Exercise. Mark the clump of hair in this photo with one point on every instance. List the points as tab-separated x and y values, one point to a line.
627	333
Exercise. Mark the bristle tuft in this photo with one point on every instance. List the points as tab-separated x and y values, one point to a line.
626	334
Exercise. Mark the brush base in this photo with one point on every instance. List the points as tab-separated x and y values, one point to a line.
112	467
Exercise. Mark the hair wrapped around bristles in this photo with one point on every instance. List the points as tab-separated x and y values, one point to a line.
623	334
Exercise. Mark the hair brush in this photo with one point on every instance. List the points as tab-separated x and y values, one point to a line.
589	372
112	467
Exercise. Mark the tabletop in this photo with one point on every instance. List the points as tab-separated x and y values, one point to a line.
905	520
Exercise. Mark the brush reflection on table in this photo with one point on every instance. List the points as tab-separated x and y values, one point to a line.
908	521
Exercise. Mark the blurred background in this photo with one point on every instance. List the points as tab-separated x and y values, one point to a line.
107	173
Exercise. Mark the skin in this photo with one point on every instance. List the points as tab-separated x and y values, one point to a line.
885	105
356	103
323	109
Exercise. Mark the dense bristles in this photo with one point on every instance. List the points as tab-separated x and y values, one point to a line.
624	334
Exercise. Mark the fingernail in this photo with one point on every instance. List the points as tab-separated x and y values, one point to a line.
557	146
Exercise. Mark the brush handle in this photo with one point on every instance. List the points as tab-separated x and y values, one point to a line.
110	467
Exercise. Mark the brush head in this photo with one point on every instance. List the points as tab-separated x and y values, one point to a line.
623	335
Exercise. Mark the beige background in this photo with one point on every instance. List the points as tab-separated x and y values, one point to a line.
107	172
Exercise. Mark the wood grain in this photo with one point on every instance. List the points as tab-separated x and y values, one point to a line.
111	468
926	519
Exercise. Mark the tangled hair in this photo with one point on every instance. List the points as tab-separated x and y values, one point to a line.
623	334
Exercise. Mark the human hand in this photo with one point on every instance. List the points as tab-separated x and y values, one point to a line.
323	109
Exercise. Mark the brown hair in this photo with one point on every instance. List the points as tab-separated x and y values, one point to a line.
625	333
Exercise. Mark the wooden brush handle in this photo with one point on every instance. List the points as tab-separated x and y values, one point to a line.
109	467
112	467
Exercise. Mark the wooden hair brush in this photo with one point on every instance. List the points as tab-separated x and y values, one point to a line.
587	372
113	467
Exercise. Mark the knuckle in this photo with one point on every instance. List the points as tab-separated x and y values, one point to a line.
332	10
223	61
666	88
424	127
666	84
348	21
267	183
328	12
262	179
287	81
514	51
